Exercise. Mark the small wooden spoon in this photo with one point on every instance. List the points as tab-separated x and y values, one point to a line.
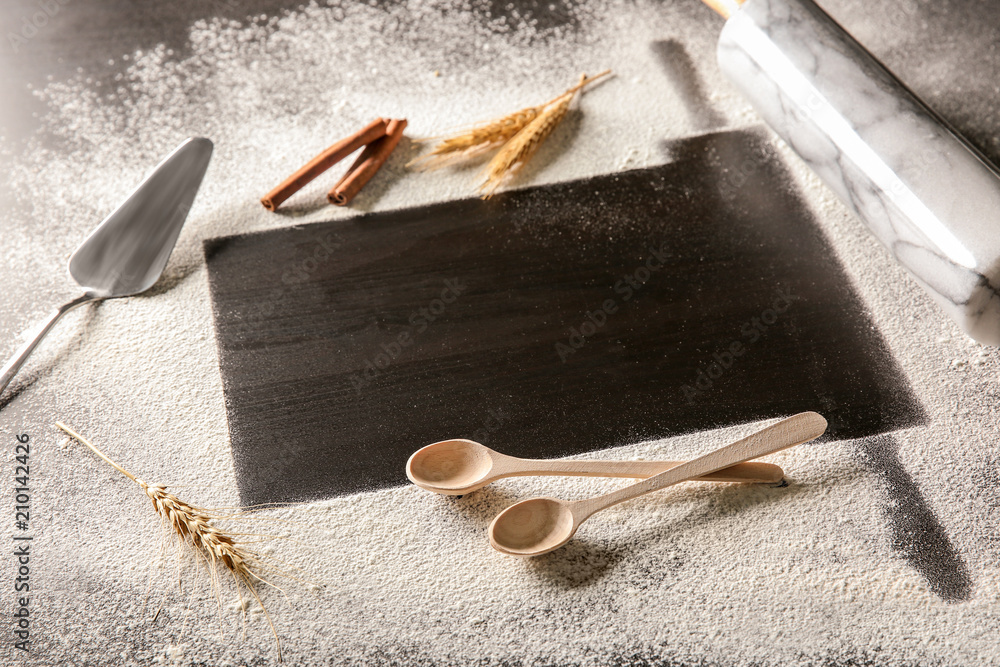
455	467
540	525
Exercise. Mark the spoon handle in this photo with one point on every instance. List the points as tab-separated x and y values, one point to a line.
795	430
753	471
11	368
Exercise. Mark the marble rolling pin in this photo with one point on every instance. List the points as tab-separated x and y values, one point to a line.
923	190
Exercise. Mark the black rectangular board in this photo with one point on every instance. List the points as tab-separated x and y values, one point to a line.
543	322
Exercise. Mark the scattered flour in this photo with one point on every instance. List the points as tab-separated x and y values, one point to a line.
799	575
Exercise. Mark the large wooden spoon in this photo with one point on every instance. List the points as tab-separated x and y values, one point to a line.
456	467
540	525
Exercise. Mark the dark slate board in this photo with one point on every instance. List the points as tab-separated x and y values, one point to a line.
345	346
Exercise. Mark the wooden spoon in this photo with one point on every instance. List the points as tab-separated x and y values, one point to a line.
455	467
540	525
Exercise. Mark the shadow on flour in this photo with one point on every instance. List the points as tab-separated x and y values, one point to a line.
583	561
15	390
580	563
479	507
683	75
916	534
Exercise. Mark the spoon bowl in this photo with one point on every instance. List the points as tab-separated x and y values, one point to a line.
533	527
450	466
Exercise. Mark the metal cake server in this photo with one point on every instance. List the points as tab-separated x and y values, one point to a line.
126	253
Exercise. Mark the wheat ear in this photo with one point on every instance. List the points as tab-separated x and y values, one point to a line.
194	526
516	152
477	140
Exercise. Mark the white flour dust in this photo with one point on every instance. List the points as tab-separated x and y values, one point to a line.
800	575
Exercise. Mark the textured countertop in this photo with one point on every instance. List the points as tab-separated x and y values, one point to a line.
881	550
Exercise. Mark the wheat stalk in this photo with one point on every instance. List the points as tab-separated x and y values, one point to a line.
194	526
519	149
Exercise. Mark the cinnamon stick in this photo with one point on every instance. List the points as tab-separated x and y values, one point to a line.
369	162
332	155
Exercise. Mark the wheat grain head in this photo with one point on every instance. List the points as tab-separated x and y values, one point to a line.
519	149
516	152
473	142
194	525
